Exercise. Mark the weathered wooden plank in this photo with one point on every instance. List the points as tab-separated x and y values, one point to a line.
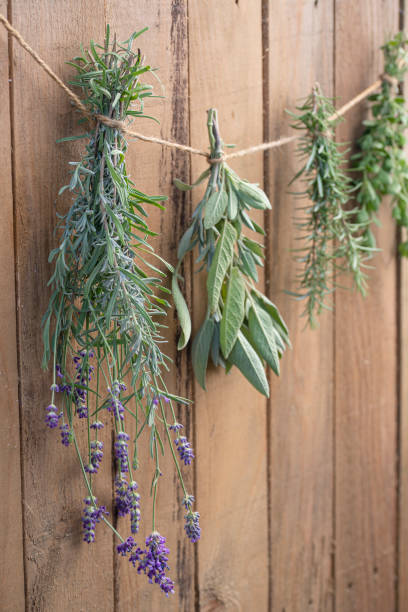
365	373
11	534
226	72
402	533
301	472
153	169
62	571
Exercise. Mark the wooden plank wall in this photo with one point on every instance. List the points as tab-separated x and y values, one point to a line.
303	498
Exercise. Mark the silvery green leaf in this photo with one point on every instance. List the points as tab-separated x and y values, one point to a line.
247	263
232	208
245	358
215	208
201	349
186	187
182	313
223	256
271	309
233	312
253	196
263	334
185	244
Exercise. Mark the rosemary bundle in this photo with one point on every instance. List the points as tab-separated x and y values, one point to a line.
101	328
332	236
381	162
242	327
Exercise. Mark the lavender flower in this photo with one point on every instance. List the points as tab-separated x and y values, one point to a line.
176	426
52	418
65	434
93	514
121	450
125	547
154	562
82	411
188	501
127	501
96	453
97	425
159	397
184	448
115	405
58	371
192	526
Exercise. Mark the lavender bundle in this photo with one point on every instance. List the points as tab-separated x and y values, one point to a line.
100	329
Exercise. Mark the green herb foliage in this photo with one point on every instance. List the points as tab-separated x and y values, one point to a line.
331	235
381	162
241	327
101	327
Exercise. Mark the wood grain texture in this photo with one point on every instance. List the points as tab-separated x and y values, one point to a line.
301	465
11	532
153	169
226	73
366	343
63	573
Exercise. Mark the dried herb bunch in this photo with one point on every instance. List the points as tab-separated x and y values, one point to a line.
381	162
101	327
332	237
241	327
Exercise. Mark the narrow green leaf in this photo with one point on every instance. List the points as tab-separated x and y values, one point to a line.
215	208
186	187
185	243
222	259
245	358
182	313
263	334
201	349
233	313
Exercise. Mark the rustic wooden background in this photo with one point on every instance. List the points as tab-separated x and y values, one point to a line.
304	498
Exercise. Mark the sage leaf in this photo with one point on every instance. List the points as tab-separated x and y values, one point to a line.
245	358
263	334
185	244
233	313
253	196
223	256
182	313
201	349
232	204
186	187
215	208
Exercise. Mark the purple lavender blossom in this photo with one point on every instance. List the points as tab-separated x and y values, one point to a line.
176	426
82	411
127	501
52	418
184	448
121	450
65	434
93	514
153	562
159	397
192	526
188	501
125	547
115	405
97	425
58	371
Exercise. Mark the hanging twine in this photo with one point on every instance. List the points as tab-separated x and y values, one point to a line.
119	125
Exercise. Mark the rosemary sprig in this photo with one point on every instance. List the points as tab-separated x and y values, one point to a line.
241	327
381	162
103	311
331	236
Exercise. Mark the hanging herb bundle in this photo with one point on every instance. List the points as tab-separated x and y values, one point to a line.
241	327
333	238
381	161
101	327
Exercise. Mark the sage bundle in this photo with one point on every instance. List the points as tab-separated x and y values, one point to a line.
242	327
381	161
331	233
101	329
